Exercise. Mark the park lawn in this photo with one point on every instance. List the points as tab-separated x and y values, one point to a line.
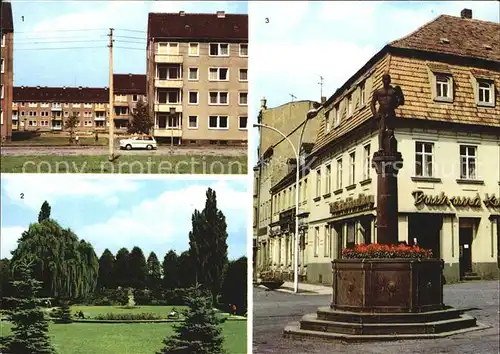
92	311
58	141
124	164
142	338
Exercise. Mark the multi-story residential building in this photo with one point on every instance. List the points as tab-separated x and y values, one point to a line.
276	160
7	69
448	131
197	77
47	108
128	89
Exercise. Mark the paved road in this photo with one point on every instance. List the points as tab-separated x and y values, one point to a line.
103	150
273	310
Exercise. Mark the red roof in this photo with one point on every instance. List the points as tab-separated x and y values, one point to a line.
6	22
129	83
224	27
60	94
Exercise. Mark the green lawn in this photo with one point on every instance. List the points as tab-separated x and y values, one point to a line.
58	140
143	338
139	164
92	311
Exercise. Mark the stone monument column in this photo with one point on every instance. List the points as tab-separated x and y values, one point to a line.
387	161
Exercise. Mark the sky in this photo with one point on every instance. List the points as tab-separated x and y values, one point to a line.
114	212
41	25
292	46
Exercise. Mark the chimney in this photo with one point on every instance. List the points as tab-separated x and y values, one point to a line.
263	103
129	74
466	13
79	87
323	99
64	87
182	13
221	14
38	87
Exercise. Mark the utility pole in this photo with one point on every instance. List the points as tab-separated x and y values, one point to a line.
111	139
320	83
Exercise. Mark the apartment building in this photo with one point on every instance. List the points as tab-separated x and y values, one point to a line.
7	69
47	108
128	89
448	132
197	77
276	161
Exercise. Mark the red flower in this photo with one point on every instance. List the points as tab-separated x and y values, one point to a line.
375	250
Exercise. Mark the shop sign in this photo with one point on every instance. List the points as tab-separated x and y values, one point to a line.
443	200
350	205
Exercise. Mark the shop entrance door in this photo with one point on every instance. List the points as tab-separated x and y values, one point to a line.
340	239
425	230
465	255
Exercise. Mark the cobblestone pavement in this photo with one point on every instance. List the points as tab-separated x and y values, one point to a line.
273	310
103	150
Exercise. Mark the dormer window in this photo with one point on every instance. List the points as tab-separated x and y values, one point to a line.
362	95
443	88
336	116
485	93
327	122
349	106
444	40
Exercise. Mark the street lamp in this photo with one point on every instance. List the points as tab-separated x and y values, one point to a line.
297	177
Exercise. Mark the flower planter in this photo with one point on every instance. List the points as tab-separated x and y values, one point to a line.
387	285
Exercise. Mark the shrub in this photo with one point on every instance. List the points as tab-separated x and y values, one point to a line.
127	316
374	250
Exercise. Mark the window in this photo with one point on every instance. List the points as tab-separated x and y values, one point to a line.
193	122
217	122
351	235
349	106
134	98
485	92
87	105
362	95
66	114
336	116
423	159
194	49
100	114
3	40
352	167
32	123
366	162
243	123
243	50
327	241
87	114
243	74
339	173
3	67
468	162
169	96
193	74
44	114
218	98
443	86
318	182
168	48
1	89
218	74
169	72
1	117
305	190
316	242
328	186
219	49
327	122
243	98
193	97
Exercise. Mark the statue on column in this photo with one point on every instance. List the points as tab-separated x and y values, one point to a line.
388	98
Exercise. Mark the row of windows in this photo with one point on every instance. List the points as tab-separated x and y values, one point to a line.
444	90
164	121
214	49
59	105
174	72
59	114
215	98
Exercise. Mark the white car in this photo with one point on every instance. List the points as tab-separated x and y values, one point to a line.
139	142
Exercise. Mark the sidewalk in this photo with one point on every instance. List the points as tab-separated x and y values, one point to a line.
304	289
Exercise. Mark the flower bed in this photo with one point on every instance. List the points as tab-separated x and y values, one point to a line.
374	250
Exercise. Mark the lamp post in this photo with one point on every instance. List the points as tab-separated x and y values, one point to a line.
297	177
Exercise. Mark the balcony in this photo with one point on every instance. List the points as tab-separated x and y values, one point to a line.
168	83
119	104
175	132
99	108
169	59
14	106
56	127
165	107
100	119
56	117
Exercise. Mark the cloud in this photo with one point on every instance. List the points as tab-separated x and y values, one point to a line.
30	191
164	222
8	241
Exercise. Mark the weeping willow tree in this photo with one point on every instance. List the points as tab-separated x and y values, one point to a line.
67	266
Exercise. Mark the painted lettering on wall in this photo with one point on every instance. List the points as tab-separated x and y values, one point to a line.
490	201
350	205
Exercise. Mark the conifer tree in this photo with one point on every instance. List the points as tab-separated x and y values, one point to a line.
200	332
44	212
30	327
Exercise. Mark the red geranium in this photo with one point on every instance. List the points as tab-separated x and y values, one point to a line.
374	250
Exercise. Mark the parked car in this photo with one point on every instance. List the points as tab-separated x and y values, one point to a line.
139	142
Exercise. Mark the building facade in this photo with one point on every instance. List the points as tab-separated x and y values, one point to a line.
448	132
128	89
7	70
197	77
47	109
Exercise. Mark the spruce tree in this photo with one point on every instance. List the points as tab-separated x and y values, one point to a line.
154	271
44	212
200	332
141	120
30	327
